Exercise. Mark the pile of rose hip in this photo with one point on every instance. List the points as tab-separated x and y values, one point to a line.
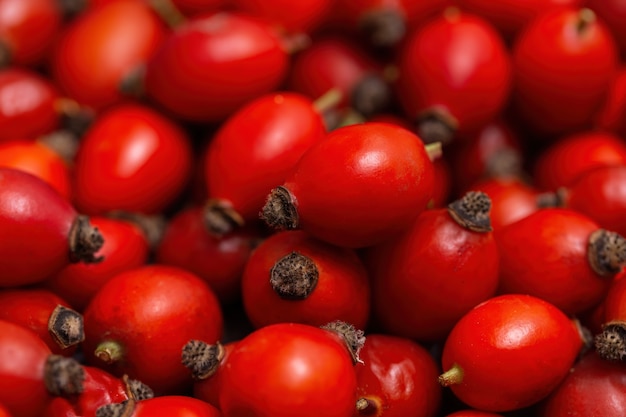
342	208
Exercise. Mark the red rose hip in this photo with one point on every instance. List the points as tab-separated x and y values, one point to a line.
138	322
517	346
37	223
356	187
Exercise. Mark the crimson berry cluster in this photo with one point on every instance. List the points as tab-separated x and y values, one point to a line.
248	208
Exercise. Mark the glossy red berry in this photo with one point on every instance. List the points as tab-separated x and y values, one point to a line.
125	247
398	377
45	313
443	264
139	320
254	151
213	64
565	160
568	260
290	369
132	158
293	277
28	29
517	345
28	104
37	223
100	51
454	75
594	387
219	261
356	187
549	98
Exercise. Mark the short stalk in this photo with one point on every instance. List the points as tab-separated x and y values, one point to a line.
367	407
586	18
452	376
109	351
434	150
328	101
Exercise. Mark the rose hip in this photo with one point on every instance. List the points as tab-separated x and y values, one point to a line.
443	264
36	222
139	320
331	192
47	314
517	345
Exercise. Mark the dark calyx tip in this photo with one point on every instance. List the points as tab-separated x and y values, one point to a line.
371	95
63	376
611	343
436	126
472	211
136	389
66	326
294	276
201	358
85	241
123	409
279	211
606	252
221	218
383	28
353	337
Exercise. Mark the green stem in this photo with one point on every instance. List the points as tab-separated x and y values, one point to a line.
452	376
109	351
